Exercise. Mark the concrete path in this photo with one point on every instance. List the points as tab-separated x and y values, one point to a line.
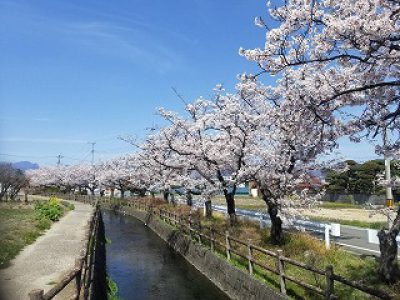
41	264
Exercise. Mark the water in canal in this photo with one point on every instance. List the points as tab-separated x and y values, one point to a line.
144	267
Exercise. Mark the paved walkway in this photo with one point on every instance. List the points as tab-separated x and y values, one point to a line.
44	262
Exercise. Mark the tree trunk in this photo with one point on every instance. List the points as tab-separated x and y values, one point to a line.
207	209
388	268
166	196
153	195
230	205
122	194
189	198
142	193
276	222
112	193
172	198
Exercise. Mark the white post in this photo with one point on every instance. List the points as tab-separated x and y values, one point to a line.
327	238
335	229
389	194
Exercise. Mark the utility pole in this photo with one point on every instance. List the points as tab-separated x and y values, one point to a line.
59	156
388	178
92	143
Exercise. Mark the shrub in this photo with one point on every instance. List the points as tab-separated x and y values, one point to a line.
43	223
51	210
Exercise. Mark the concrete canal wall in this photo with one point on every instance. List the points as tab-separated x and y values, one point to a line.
233	281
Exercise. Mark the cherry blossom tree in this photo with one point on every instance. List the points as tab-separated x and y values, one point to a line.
167	170
65	177
348	52
47	176
116	174
213	140
287	143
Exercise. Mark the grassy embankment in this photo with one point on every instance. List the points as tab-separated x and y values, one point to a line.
21	225
301	247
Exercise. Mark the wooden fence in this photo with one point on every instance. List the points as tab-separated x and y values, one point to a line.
224	243
83	272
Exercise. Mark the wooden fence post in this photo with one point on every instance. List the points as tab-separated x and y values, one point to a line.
190	226
199	234
250	258
330	289
280	267
227	245
36	295
78	268
212	239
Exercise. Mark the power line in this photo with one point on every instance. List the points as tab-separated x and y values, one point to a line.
20	155
59	156
84	158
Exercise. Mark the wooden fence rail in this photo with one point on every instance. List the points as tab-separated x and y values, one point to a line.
197	232
246	251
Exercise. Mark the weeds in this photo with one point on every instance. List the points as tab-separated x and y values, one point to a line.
51	209
112	289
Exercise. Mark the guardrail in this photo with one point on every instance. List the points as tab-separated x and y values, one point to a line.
231	246
83	272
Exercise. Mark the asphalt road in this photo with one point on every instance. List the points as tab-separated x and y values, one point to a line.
356	240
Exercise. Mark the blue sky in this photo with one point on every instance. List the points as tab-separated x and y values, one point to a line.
73	71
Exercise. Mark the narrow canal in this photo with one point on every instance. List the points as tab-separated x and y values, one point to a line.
145	267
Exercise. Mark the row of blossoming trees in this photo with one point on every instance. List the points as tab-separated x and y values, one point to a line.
337	74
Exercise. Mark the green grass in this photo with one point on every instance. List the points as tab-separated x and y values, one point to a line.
252	207
18	228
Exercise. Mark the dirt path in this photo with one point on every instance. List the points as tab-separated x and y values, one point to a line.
44	262
346	214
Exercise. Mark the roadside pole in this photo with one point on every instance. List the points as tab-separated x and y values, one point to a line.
389	194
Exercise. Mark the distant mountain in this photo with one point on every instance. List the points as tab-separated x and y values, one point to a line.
25	165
